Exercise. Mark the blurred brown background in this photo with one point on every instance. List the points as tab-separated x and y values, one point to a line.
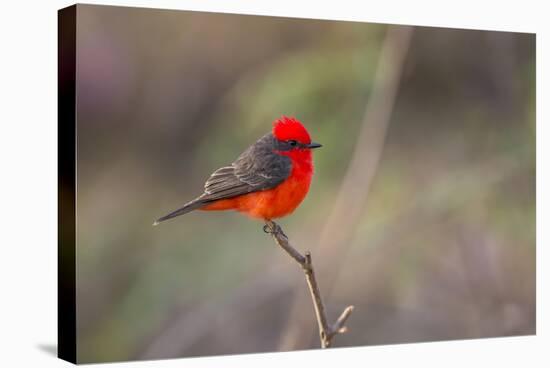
434	129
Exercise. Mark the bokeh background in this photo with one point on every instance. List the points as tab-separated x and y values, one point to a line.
421	213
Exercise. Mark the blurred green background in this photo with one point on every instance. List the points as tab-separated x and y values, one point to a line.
442	247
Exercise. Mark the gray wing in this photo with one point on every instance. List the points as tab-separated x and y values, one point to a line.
257	168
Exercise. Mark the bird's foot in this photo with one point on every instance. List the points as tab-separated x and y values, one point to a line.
272	228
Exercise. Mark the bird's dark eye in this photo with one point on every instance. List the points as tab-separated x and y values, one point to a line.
293	143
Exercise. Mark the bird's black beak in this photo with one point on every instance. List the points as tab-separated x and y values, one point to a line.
313	145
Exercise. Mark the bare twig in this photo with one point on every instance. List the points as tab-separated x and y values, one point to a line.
326	331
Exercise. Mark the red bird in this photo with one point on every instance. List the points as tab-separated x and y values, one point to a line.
268	180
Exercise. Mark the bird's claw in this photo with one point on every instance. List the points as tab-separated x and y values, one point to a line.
272	228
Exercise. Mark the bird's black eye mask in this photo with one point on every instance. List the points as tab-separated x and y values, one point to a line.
288	145
292	144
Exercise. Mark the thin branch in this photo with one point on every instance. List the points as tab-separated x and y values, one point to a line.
326	331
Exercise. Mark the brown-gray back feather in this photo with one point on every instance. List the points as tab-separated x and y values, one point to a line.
257	168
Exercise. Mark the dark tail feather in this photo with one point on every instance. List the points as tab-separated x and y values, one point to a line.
193	205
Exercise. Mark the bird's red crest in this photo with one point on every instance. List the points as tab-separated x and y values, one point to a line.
287	128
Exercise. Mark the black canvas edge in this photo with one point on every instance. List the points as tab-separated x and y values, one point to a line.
66	184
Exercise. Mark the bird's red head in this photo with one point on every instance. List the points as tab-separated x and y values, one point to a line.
294	141
286	128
